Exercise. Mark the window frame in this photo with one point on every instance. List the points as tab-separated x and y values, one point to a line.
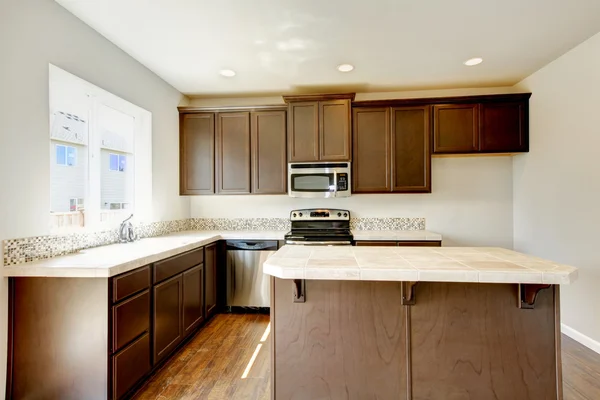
140	161
66	148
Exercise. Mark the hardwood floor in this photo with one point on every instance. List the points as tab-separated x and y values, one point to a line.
581	371
214	365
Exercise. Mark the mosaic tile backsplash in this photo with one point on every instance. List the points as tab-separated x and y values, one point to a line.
387	224
240	224
18	251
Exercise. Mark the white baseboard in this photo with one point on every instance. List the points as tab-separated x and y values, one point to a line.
581	338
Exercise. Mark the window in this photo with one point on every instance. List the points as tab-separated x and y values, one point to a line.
106	143
117	162
66	155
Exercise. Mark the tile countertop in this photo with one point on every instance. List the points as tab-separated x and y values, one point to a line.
114	259
440	264
111	260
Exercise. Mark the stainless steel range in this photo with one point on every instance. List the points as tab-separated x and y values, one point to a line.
320	226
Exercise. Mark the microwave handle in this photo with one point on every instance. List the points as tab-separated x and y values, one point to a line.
334	183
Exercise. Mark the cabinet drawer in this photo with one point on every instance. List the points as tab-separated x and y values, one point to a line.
130	319
175	265
375	243
130	283
130	365
421	243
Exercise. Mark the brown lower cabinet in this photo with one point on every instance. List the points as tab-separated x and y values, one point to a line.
120	329
193	298
210	256
415	243
167	318
130	365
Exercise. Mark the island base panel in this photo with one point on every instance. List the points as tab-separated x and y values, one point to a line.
339	341
355	340
471	341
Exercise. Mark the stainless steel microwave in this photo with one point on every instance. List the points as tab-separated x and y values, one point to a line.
325	179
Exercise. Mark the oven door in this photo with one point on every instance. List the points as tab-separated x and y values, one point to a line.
319	180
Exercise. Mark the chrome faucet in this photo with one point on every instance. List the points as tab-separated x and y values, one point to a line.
126	232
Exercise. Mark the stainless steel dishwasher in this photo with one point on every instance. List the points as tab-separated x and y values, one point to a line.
247	286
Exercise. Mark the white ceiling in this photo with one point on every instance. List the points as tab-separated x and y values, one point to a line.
291	46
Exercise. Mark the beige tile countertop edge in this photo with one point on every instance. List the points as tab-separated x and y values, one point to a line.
428	264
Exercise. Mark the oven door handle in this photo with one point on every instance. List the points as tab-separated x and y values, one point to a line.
326	243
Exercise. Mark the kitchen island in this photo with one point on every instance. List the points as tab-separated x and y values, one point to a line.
415	323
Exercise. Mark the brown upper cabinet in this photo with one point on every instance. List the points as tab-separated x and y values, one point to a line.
319	127
303	131
233	153
197	153
230	152
455	128
269	164
411	156
495	124
391	150
245	150
503	127
372	148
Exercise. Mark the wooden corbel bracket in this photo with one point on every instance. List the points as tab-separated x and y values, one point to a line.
299	291
408	293
528	293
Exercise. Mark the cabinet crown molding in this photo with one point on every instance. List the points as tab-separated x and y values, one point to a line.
319	97
224	109
417	101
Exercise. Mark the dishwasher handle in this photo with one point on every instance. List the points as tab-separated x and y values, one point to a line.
251	245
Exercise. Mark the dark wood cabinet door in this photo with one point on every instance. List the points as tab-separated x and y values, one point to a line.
210	267
130	319
167	318
193	298
233	153
334	130
197	153
269	161
303	131
372	151
129	366
455	128
411	158
502	127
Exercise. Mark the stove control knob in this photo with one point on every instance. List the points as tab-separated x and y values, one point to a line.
300	214
294	215
345	214
339	214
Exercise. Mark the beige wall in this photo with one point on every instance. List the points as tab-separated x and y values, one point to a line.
557	185
34	33
249	101
470	203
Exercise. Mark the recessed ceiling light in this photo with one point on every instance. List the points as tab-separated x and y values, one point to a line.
473	61
345	67
227	72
